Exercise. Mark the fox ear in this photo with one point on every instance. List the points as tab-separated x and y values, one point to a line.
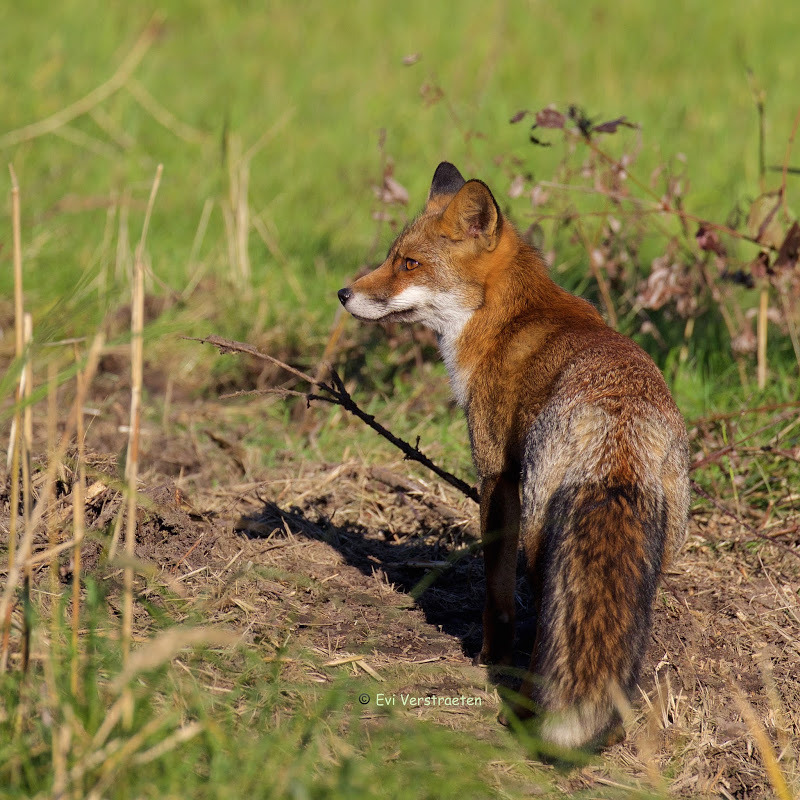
447	180
473	214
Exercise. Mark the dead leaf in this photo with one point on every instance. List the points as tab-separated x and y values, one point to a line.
762	221
745	342
612	125
669	281
759	266
539	195
549	118
517	187
392	192
708	239
790	249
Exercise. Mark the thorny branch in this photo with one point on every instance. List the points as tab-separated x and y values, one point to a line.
336	394
733	515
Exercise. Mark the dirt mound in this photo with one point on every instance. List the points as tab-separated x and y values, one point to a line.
369	570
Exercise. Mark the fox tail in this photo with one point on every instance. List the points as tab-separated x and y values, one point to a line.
602	549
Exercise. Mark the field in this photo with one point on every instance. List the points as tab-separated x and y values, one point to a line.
278	607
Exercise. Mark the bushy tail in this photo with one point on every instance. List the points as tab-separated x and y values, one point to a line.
602	549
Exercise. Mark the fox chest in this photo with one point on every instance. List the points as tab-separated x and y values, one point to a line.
459	374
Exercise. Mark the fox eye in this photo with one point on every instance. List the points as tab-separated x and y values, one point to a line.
410	263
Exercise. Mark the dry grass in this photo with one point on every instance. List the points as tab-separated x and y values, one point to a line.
316	565
332	569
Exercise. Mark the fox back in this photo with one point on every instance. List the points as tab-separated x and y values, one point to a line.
579	449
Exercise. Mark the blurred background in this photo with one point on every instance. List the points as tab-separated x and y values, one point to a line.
276	121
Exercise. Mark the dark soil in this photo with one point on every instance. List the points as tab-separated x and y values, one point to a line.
329	557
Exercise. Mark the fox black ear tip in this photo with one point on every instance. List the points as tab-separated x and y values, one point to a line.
447	179
446	169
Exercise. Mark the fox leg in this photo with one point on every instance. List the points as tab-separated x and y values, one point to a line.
533	541
500	518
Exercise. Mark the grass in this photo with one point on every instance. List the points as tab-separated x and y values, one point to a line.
206	711
268	121
324	90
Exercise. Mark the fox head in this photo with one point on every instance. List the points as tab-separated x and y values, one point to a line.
436	271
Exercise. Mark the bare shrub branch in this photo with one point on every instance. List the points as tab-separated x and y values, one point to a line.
336	394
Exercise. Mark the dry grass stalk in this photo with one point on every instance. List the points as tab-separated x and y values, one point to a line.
194	269
236	211
761	336
79	528
17	256
27	446
764	745
52	423
237	216
163	116
163	647
15	444
132	459
62	733
181	735
15	447
122	259
27	419
24	547
602	284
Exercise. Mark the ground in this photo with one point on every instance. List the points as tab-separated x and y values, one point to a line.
320	565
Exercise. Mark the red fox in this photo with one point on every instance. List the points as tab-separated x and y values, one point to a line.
578	445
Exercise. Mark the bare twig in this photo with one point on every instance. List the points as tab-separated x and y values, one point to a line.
759	97
668	208
786	169
229	346
746	525
746	411
733	446
336	394
761	336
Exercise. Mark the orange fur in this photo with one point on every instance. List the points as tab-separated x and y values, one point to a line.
579	448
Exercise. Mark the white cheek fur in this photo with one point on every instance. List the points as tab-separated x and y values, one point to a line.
442	312
364	307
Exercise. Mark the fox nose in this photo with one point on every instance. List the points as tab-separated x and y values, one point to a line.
345	295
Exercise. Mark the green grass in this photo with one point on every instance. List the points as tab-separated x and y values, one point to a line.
324	79
185	739
330	78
